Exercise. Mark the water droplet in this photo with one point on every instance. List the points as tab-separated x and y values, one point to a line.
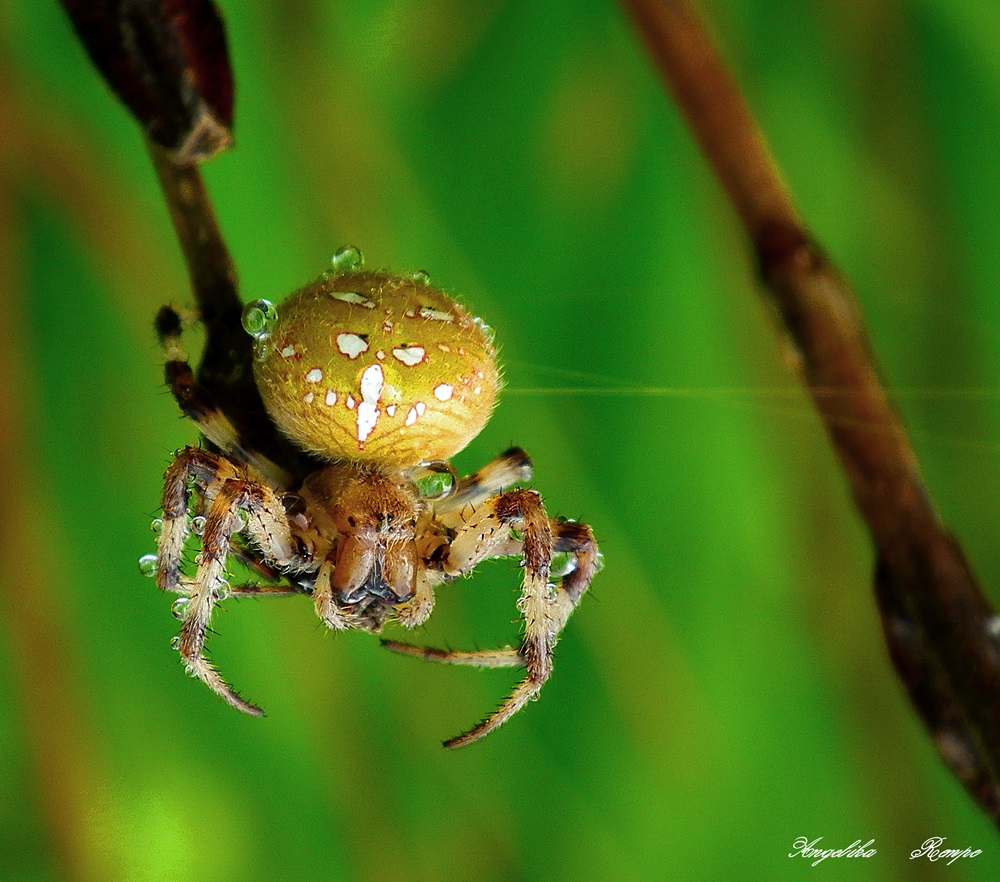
489	335
598	562
221	590
563	563
239	521
421	277
347	259
198	525
147	565
993	625
438	481
157	525
190	671
179	607
175	642
259	317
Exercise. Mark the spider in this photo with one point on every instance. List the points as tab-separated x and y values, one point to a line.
376	380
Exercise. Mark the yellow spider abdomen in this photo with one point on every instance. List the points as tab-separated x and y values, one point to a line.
374	367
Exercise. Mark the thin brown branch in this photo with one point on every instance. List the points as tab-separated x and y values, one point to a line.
225	369
937	623
210	265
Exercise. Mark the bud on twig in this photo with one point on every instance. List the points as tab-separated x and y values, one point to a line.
167	61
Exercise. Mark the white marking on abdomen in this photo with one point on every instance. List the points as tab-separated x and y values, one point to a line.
409	355
351	345
436	314
372	383
353	297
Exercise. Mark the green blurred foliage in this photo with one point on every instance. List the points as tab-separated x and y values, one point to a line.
724	689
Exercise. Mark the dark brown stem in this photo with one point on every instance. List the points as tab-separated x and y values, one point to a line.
209	264
225	371
937	623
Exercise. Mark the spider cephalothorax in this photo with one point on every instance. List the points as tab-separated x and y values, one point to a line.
377	380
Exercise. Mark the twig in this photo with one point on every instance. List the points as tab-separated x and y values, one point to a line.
167	61
937	623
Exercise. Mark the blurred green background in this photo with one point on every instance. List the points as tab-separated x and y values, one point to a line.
723	689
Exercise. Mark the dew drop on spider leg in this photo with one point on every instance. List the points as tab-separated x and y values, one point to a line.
175	642
198	525
259	317
347	259
157	525
221	590
179	608
437	481
147	565
598	562
563	563
421	277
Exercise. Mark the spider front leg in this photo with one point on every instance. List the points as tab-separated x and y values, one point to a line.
489	532
199	407
230	493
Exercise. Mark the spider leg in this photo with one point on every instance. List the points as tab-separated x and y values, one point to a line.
198	406
206	590
252	590
508	469
191	464
545	608
231	495
507	657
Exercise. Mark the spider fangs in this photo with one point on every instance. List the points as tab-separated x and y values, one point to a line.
378	380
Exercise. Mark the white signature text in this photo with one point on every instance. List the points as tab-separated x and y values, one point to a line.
804	848
932	850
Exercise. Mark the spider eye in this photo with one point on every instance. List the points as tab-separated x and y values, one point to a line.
375	367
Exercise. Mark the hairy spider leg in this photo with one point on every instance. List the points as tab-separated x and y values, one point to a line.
231	494
196	405
509	468
205	469
545	608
